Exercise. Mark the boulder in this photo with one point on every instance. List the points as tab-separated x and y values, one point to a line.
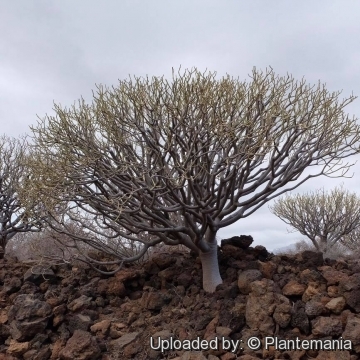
28	316
81	346
326	326
80	303
242	241
299	318
258	314
246	278
293	288
39	273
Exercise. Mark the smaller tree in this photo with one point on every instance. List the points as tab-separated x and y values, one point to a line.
324	218
13	174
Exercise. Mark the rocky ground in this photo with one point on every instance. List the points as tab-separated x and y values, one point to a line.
73	313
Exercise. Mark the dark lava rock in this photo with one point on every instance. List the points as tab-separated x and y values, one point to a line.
242	241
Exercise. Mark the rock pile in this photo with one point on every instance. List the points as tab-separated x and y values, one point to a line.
75	314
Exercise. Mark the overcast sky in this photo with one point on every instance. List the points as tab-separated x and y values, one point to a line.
58	50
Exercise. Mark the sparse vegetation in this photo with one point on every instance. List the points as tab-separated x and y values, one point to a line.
337	251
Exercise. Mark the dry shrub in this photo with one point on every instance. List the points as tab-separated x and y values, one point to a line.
50	247
44	245
337	251
162	248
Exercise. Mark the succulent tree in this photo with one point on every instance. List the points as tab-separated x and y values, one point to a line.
13	174
325	218
158	161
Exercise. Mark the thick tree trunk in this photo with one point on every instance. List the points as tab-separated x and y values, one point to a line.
3	242
210	268
322	243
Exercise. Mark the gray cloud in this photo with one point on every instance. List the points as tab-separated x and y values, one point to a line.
57	51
